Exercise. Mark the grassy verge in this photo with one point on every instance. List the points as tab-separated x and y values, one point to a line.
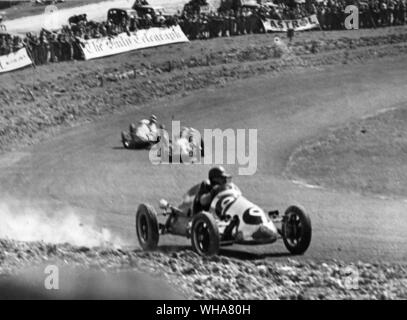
369	156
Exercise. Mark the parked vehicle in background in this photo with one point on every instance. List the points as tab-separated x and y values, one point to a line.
123	15
158	15
235	5
76	19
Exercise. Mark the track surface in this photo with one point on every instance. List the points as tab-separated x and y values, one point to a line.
85	168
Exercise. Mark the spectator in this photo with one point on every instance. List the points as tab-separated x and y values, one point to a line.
64	45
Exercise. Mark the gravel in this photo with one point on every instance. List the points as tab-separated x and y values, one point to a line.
222	277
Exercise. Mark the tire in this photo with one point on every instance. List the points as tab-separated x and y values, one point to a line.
296	230
205	235
147	227
125	141
202	148
141	145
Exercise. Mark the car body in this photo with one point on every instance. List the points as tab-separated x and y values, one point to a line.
139	136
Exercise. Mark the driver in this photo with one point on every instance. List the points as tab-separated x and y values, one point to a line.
219	181
146	130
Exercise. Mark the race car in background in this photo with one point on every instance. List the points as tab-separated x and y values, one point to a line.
142	135
188	144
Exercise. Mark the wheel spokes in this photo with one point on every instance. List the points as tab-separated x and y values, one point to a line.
294	229
202	236
143	228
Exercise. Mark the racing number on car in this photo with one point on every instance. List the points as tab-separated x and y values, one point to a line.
223	205
252	216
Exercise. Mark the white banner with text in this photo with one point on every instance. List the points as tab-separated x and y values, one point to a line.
14	61
144	38
307	23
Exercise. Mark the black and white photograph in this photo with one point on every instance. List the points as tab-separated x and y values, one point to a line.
237	151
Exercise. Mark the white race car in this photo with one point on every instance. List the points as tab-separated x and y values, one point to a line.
140	136
189	144
232	218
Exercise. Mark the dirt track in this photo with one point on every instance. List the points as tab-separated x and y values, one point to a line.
86	168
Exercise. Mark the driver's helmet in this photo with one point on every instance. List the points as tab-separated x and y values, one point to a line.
153	119
184	132
218	176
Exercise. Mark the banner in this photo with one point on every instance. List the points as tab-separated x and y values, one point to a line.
14	61
145	38
308	23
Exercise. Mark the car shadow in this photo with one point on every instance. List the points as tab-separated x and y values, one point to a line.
173	248
227	252
244	255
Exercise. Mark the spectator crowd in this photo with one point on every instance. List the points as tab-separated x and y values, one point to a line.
231	20
64	45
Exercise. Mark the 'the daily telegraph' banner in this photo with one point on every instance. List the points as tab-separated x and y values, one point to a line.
308	23
14	61
145	38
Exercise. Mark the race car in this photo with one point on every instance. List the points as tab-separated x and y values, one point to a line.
131	143
141	136
231	219
189	145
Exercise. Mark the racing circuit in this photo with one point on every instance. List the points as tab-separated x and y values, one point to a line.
86	169
80	186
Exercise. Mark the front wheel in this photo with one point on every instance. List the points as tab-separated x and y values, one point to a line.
205	235
147	227
296	230
125	140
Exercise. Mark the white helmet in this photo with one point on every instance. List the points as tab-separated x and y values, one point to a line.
153	118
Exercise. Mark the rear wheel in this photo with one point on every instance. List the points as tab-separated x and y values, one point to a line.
205	234
296	230
202	148
147	227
